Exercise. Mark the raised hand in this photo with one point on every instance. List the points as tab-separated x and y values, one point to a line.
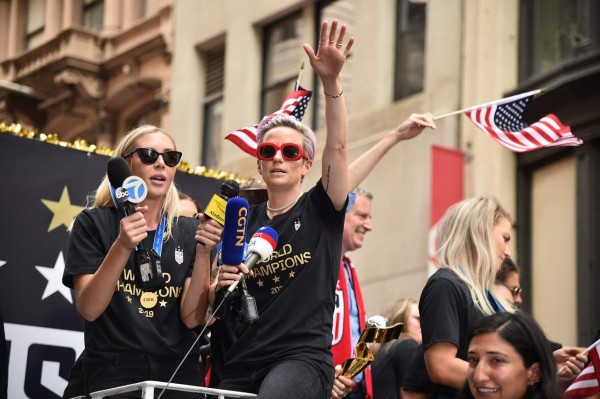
331	53
413	126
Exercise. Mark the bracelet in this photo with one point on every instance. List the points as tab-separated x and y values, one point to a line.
336	96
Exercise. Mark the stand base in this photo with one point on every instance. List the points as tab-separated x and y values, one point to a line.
148	388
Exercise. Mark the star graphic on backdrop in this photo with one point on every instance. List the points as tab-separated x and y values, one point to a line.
63	211
276	279
54	276
2	263
292	274
129	299
260	283
163	304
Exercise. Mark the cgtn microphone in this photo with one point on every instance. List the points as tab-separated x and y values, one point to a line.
215	209
234	231
128	191
261	246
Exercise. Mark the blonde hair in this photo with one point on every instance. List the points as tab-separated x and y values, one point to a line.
466	246
102	197
397	311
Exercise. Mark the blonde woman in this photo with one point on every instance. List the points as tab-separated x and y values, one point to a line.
473	241
131	335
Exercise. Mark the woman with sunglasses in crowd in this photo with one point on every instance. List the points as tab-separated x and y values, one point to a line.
132	335
285	353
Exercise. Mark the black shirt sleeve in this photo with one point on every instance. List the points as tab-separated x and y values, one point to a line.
440	309
88	246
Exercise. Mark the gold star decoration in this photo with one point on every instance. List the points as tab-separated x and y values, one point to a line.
64	212
276	279
292	274
129	299
260	283
163	304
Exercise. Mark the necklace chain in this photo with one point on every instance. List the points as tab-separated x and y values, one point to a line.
285	206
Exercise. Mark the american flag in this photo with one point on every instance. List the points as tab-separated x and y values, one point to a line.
503	121
294	104
586	383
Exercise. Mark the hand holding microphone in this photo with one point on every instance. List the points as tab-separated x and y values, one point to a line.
128	191
133	225
261	246
234	236
214	216
208	234
133	229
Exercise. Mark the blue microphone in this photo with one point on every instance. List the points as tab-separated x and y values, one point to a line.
234	231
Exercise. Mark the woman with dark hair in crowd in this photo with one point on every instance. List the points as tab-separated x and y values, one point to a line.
509	357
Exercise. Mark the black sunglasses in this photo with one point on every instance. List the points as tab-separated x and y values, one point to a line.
148	156
290	151
515	291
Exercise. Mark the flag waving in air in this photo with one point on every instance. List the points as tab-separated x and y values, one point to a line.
294	104
587	382
503	121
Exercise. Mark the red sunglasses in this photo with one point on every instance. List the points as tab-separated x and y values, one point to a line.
290	151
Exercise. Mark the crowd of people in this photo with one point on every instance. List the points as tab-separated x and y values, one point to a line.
464	337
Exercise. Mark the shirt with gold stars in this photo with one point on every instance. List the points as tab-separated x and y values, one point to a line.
134	321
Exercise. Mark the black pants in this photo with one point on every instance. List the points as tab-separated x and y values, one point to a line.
296	379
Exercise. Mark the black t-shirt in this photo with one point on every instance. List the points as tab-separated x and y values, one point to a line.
390	366
447	310
294	290
134	321
417	379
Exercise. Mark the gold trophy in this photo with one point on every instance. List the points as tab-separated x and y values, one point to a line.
376	331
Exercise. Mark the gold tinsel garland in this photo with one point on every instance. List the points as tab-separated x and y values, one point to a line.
82	145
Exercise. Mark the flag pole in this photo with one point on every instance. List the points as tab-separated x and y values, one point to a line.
512	98
592	346
297	86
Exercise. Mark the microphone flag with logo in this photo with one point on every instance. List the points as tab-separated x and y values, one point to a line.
234	231
261	246
215	209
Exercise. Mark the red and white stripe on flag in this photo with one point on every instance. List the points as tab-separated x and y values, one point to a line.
294	104
504	122
587	382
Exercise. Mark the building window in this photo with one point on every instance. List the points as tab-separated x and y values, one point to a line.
410	48
213	107
343	11
35	22
92	14
554	31
283	56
